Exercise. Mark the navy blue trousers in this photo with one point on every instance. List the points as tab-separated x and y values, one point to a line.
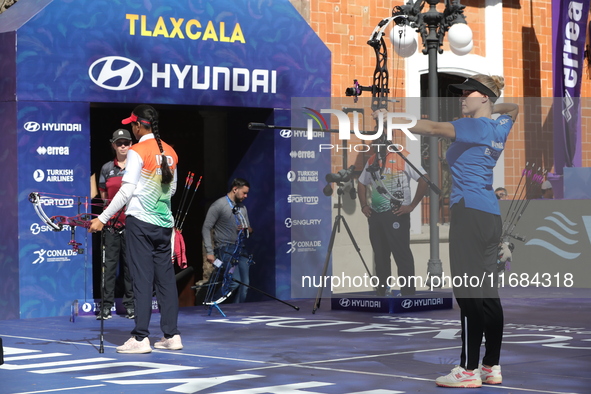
150	263
115	250
474	238
389	235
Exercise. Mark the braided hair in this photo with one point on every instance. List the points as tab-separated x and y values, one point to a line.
148	119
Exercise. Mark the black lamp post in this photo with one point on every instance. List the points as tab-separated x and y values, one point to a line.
432	26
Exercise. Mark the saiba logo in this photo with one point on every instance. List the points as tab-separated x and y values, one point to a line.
115	73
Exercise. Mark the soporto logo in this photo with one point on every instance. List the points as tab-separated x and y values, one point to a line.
115	73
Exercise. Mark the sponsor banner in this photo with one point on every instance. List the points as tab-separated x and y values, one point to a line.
91	307
310	208
172	52
53	142
569	22
555	249
282	209
422	301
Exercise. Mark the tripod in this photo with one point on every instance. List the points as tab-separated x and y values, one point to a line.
336	227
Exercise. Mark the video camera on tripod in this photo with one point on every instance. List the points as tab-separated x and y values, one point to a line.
340	177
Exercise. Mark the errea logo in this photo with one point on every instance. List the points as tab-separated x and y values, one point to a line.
115	73
53	150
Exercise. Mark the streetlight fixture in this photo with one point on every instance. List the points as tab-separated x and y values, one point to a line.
432	26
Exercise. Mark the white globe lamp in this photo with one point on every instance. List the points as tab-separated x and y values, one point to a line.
459	35
462	51
402	35
408	50
404	40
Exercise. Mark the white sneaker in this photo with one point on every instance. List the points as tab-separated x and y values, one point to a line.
490	375
173	343
133	346
459	377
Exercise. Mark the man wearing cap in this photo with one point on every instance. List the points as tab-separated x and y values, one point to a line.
547	192
109	183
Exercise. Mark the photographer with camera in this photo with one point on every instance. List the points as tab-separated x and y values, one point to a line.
386	178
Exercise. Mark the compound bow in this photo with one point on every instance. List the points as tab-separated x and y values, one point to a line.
530	178
57	223
228	265
380	97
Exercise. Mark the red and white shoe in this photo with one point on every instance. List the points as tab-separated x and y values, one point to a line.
490	375
459	377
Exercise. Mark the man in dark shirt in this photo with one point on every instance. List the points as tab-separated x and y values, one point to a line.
228	218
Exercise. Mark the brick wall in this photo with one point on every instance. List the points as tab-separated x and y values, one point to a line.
345	27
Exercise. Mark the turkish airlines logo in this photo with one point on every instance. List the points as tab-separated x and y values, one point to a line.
115	73
32	127
39	175
291	176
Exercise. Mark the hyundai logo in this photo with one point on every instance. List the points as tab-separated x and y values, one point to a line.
115	73
407	303
345	302
32	127
285	133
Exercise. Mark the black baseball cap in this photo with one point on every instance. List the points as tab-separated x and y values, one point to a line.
472	84
121	134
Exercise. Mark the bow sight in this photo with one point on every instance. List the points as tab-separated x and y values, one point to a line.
357	90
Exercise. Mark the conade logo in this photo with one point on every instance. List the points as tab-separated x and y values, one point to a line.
115	73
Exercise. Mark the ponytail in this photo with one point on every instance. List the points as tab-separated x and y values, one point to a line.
167	175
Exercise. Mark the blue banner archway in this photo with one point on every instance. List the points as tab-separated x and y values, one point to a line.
60	56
